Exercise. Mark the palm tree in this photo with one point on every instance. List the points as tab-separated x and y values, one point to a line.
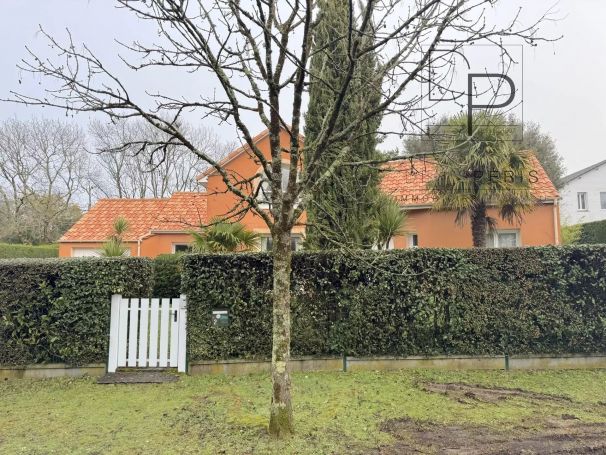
222	237
481	171
389	221
114	247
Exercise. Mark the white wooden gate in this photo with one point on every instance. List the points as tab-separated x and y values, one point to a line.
147	333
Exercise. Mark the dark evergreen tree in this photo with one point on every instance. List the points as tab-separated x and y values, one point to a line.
340	211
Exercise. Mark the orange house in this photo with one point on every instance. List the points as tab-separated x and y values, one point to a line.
158	226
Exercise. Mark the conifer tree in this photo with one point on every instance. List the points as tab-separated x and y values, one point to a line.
340	209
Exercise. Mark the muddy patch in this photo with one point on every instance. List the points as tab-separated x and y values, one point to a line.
560	436
468	393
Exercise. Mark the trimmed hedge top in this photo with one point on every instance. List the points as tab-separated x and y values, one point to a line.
10	250
404	302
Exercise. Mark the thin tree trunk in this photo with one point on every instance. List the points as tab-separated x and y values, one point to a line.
478	226
281	418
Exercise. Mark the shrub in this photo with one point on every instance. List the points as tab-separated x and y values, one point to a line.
10	251
59	309
407	302
167	275
593	233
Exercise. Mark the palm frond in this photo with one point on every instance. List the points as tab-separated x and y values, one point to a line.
222	237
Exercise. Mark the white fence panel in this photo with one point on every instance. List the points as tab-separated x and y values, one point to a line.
147	333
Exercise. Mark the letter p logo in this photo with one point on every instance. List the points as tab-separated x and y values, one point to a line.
471	106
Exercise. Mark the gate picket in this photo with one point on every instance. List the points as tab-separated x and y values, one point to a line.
147	333
143	332
153	333
174	335
122	332
132	332
164	315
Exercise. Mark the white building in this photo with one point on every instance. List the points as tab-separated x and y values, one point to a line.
583	195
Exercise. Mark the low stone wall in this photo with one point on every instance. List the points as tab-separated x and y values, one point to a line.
239	367
50	370
544	362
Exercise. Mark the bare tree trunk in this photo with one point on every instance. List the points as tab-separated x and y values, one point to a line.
281	418
478	225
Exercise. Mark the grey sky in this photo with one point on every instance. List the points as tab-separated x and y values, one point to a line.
563	82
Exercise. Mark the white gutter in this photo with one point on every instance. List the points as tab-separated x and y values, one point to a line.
555	222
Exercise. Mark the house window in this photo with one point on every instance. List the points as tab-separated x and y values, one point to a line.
503	239
582	201
86	252
264	196
603	200
265	192
413	240
296	243
181	248
220	318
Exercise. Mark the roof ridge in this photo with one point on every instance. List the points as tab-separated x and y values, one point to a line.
579	173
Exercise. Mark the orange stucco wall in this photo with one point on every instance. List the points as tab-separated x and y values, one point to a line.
438	229
221	201
162	243
66	248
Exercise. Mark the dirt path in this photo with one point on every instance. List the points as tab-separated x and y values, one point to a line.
563	434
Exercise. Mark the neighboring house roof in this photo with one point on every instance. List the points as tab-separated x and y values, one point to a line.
180	213
406	181
582	172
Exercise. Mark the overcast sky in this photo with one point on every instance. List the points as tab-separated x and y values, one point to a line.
564	88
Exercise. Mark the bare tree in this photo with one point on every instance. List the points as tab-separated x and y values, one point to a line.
133	170
42	163
257	54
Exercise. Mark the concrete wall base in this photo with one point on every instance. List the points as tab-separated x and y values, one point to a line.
50	370
239	367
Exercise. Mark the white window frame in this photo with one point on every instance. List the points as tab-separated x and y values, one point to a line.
297	237
175	245
582	195
264	195
411	237
603	200
94	252
495	237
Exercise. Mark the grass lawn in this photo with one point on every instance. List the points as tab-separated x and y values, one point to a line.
388	412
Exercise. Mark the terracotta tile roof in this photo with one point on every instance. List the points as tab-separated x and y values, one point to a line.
183	211
406	181
97	223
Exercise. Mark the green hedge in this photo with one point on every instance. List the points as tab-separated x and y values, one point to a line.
167	275
58	310
11	251
407	302
593	233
